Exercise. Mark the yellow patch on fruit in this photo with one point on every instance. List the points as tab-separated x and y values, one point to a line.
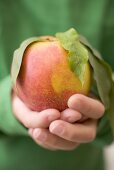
64	79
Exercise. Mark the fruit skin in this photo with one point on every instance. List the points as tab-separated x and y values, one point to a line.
45	79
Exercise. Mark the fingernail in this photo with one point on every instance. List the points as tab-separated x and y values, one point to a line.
38	134
58	129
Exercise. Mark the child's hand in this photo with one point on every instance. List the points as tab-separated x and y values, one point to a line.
32	119
63	135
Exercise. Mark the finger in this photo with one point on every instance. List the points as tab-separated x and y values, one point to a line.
32	119
89	107
30	131
70	115
83	119
48	140
80	133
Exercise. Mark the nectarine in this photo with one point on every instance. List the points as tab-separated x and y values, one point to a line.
45	79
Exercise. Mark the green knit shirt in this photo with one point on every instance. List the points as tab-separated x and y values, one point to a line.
26	18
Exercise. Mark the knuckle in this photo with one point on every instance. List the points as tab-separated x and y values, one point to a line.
91	135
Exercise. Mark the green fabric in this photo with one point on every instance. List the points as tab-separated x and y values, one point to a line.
8	122
25	18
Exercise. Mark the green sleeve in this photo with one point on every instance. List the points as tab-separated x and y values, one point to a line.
8	123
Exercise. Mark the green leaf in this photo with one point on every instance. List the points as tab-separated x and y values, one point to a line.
111	108
102	75
104	80
68	39
84	41
77	53
18	56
